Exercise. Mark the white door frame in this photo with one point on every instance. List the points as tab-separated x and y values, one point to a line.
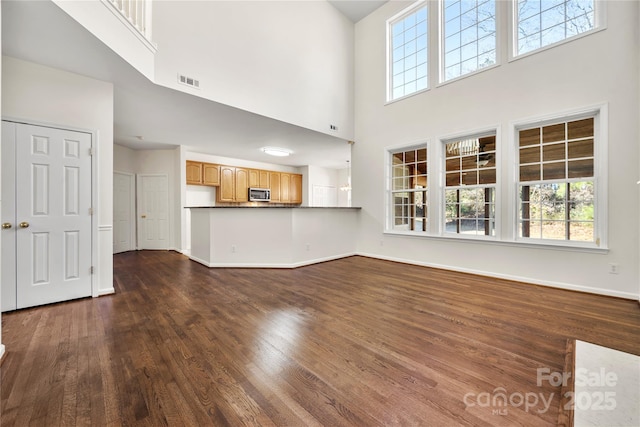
95	199
133	228
138	219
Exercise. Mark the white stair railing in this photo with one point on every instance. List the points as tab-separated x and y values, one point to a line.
137	13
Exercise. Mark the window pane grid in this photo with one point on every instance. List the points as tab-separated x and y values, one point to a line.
557	211
541	23
470	211
469	33
409	54
556	188
409	189
470	178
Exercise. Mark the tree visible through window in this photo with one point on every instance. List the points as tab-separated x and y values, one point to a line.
470	186
469	36
408	53
409	189
544	22
556	174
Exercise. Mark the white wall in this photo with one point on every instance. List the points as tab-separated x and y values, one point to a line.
599	68
1	345
108	25
272	238
124	159
322	187
156	162
229	47
45	95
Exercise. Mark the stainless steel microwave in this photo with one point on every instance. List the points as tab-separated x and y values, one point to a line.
259	194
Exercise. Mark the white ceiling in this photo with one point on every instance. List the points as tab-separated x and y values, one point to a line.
355	10
40	32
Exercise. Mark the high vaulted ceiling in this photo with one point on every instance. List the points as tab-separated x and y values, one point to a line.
39	31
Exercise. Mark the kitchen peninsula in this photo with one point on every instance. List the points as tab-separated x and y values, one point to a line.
271	236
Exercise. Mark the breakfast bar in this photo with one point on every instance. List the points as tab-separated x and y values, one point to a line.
271	236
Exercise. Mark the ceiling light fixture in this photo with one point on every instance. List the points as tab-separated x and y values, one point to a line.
276	151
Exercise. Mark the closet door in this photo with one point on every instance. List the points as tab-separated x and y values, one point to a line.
53	216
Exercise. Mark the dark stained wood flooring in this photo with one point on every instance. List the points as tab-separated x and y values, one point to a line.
355	341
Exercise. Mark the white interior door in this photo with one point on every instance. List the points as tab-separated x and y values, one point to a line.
52	222
123	212
153	212
8	254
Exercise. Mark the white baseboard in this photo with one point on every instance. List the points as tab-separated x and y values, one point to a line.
1	351
270	265
107	291
559	285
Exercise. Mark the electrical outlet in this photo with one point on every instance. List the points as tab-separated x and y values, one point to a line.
308	247
233	249
614	268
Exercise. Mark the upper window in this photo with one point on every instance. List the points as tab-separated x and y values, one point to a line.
470	185
408	53
544	22
556	186
469	36
409	189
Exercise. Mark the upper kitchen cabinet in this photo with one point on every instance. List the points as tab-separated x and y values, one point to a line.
210	174
194	173
234	185
274	186
199	173
295	189
286	187
258	178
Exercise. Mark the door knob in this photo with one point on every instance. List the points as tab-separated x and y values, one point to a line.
6	225
23	224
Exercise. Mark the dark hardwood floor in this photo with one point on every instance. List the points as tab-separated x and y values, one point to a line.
355	341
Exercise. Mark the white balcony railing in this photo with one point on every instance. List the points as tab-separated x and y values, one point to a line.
137	13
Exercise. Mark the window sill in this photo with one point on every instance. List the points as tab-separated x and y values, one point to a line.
470	74
546	244
515	56
393	101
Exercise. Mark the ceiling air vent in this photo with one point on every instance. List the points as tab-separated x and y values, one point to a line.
189	81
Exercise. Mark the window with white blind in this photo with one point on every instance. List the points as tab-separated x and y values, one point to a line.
407	52
468	36
539	23
557	181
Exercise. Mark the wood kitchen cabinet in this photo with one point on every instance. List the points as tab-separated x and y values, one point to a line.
295	191
274	186
259	178
210	174
285	187
199	173
242	185
234	182
194	173
234	185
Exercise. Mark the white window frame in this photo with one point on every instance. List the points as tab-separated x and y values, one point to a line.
600	15
397	17
441	45
601	119
388	197
475	133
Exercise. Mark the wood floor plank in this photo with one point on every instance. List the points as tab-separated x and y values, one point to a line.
351	342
